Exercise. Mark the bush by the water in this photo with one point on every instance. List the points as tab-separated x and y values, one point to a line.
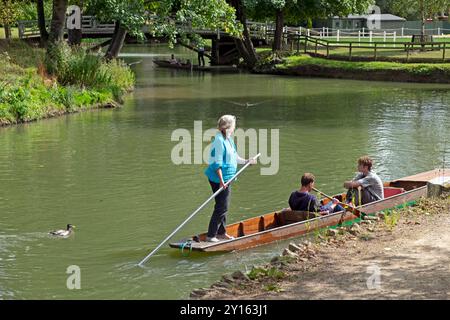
78	80
75	66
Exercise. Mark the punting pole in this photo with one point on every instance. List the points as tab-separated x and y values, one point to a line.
345	205
196	211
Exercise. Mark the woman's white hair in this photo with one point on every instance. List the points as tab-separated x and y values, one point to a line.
226	123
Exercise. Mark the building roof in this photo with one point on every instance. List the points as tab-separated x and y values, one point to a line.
383	17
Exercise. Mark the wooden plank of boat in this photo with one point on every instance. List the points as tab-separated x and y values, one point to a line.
184	66
420	179
286	223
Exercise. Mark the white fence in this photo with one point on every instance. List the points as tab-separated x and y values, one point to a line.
400	32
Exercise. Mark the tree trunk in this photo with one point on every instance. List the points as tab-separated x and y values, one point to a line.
279	25
242	49
41	22
245	45
117	41
422	11
58	19
7	31
423	29
116	31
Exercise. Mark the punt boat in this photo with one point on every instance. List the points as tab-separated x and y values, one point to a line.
185	66
285	223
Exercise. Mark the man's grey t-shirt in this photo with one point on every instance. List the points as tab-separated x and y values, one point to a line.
371	182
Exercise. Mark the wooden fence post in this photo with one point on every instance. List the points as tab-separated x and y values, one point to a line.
443	52
350	51
407	52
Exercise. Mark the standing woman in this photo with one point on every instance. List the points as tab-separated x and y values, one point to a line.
222	167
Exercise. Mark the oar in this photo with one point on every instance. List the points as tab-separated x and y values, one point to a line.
195	212
344	205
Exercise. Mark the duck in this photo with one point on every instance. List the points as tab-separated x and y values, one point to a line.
63	233
247	104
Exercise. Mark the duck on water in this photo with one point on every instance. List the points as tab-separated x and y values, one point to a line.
63	233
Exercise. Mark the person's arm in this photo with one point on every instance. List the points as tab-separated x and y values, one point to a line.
356	182
222	183
352	184
314	204
217	160
240	160
244	161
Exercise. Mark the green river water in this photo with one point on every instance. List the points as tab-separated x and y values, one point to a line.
110	173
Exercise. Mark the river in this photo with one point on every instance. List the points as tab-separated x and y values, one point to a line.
111	173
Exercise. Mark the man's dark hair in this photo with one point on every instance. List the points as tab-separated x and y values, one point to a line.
307	178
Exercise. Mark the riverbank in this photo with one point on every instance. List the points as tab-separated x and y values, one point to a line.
308	66
28	93
404	255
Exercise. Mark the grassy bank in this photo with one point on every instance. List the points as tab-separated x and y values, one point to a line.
79	82
413	68
408	244
305	65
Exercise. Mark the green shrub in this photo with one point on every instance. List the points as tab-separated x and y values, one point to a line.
83	81
77	67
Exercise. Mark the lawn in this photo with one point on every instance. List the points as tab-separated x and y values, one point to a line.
383	50
413	68
15	33
395	51
379	39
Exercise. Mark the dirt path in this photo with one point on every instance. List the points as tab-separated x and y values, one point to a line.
413	261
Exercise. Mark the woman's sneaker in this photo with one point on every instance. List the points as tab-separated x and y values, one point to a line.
213	239
225	236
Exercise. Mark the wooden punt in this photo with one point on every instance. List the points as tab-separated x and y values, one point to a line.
286	223
184	66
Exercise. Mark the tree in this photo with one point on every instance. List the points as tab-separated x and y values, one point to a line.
129	17
244	43
299	11
40	9
424	8
58	19
170	17
9	12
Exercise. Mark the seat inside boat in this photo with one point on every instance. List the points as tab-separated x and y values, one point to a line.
392	191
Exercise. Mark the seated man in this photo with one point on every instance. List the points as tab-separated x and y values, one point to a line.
173	60
303	200
366	187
